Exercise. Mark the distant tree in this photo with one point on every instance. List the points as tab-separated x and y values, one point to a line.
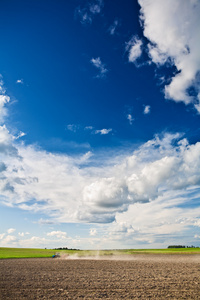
176	246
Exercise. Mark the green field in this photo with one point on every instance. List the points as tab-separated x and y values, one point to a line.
34	253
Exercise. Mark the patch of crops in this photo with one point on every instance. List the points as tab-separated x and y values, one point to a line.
34	253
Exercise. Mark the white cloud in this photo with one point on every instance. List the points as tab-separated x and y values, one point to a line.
58	234
147	109
197	223
73	127
96	6
21	234
9	240
87	13
34	241
11	230
160	175
173	31
97	63
89	128
2	236
160	222
4	99
21	81
103	131
46	222
58	186
134	49
21	134
93	232
130	118
113	27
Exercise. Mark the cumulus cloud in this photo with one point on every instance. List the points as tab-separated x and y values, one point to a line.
70	189
58	234
93	231
147	109
21	234
4	99
2	236
197	223
87	13
97	63
9	240
11	230
173	32
170	223
58	186
134	49
103	131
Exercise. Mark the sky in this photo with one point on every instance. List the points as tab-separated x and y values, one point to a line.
99	123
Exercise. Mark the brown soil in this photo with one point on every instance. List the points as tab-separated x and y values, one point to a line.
142	277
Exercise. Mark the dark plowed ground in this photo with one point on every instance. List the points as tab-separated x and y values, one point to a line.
142	277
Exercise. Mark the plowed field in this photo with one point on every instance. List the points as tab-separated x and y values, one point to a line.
135	277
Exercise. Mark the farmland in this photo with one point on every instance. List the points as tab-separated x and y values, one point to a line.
42	253
106	277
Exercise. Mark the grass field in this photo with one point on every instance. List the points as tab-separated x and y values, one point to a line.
28	252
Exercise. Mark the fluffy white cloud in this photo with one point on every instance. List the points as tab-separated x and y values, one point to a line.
58	186
11	230
87	13
93	231
100	66
21	134
9	240
2	236
70	189
134	49
21	234
173	31
147	109
4	99
21	81
197	223
103	131
58	234
162	222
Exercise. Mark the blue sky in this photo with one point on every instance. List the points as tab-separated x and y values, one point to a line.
99	133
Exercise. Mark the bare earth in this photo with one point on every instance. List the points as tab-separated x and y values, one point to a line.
141	277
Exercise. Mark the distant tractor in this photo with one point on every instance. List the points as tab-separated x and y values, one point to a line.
57	255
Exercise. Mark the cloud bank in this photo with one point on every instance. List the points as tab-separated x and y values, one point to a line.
172	29
71	189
